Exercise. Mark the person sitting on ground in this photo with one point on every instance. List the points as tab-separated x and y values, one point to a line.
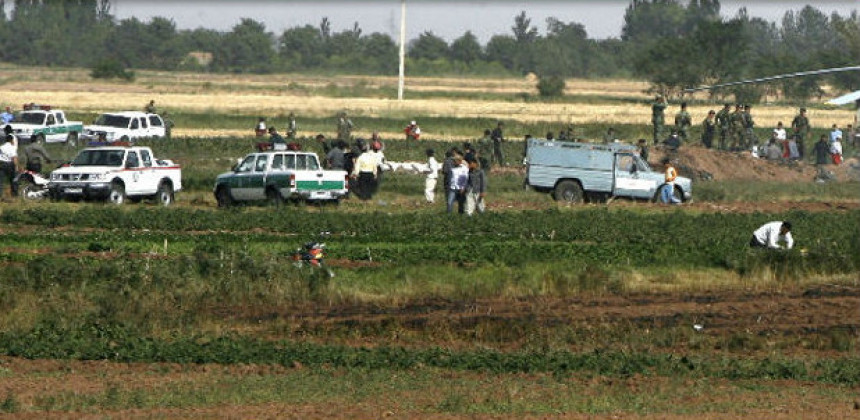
673	142
769	235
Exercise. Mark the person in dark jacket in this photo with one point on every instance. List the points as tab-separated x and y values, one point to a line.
476	188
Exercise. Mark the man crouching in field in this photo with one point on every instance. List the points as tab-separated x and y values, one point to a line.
769	234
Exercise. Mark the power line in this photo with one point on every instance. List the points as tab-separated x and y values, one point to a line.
778	77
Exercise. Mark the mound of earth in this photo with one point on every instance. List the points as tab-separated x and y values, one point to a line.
708	164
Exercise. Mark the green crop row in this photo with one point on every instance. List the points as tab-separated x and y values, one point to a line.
118	343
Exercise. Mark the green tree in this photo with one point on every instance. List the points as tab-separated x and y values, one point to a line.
502	49
466	49
428	46
248	48
301	47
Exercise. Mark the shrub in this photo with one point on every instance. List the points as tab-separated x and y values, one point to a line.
550	86
111	69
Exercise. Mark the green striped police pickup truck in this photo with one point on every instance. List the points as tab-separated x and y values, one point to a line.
276	176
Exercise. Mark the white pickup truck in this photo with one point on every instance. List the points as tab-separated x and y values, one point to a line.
280	175
115	173
125	126
40	122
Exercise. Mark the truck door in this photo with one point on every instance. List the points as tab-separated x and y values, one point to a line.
149	175
629	179
257	179
133	181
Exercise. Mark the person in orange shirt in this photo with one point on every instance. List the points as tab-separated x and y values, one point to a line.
667	192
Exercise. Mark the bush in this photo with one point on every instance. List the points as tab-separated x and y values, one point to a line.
551	86
111	69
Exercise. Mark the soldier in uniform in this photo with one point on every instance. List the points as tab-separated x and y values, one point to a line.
485	150
801	124
723	123
292	127
683	122
498	138
748	133
708	129
657	109
150	107
344	127
736	127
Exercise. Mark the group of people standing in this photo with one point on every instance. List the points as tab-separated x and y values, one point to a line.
464	180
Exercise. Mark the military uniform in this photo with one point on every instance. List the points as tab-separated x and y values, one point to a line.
657	118
683	122
723	123
485	151
736	128
708	130
801	124
344	128
748	133
292	127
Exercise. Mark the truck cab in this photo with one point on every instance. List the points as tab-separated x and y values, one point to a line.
575	171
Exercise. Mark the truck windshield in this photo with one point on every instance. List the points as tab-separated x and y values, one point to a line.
99	158
113	120
642	165
33	118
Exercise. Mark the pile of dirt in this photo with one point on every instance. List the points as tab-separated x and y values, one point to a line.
708	164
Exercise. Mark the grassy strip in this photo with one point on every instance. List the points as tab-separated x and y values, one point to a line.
107	342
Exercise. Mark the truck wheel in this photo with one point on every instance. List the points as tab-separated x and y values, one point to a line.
273	197
117	193
223	197
28	190
72	139
568	191
165	194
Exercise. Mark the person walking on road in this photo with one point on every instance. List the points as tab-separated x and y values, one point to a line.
769	235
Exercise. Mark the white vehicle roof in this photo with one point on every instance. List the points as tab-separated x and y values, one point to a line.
128	113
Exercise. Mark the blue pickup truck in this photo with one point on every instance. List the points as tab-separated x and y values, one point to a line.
575	172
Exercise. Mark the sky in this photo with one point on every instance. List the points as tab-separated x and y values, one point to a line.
446	18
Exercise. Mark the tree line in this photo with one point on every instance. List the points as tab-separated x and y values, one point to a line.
671	44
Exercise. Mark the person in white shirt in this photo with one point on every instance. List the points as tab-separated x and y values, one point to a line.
769	235
366	166
836	150
432	172
8	163
781	135
456	190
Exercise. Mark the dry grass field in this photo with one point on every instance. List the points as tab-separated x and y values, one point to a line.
253	95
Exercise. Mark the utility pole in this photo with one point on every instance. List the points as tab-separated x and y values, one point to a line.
402	49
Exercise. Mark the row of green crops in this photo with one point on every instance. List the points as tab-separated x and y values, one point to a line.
595	236
112	342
